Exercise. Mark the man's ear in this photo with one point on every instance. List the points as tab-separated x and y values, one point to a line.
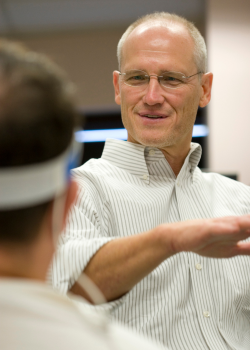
70	199
206	86
59	208
116	87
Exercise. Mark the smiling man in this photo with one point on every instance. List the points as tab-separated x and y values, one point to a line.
161	88
147	221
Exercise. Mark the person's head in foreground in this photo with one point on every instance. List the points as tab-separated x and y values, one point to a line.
161	82
37	118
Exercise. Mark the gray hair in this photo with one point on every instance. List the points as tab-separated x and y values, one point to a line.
200	50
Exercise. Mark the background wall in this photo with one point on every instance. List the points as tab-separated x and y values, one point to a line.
89	58
228	39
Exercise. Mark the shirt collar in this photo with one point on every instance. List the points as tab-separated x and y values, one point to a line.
141	160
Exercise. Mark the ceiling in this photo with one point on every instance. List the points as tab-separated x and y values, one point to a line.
33	16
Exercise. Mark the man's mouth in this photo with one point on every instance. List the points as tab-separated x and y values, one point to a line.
152	116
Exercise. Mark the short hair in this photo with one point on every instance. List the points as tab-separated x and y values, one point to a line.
37	118
200	50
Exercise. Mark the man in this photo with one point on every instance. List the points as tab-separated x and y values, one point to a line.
128	230
37	118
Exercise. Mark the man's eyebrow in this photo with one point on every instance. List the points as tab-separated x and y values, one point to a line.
161	71
136	70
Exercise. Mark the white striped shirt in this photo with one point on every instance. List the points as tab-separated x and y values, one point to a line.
187	302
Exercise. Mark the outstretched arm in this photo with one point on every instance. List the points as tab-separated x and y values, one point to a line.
123	262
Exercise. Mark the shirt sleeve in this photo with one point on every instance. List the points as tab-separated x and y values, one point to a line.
85	234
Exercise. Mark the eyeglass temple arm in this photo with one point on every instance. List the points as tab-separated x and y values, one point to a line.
190	76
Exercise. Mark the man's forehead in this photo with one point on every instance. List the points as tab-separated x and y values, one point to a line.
157	38
157	34
158	30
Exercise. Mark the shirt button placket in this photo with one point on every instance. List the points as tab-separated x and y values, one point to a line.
198	266
206	313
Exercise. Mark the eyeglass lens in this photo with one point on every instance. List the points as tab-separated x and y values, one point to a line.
140	78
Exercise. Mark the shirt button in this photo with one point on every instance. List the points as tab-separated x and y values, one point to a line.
178	184
198	266
206	314
145	176
151	152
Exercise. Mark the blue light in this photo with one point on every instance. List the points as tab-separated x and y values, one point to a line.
100	135
121	134
200	130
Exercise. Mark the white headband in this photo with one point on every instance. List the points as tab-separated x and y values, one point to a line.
34	184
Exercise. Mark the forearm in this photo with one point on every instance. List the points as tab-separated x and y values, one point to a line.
120	264
123	262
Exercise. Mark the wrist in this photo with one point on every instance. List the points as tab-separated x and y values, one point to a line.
165	237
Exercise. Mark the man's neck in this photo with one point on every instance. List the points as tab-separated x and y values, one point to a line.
18	266
23	262
175	154
175	158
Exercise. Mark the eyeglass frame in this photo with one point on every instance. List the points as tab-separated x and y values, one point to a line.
158	78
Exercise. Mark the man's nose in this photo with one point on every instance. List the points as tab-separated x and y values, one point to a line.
154	92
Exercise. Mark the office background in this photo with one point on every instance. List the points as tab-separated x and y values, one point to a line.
81	36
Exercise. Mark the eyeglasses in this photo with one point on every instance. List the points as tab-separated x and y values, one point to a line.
170	80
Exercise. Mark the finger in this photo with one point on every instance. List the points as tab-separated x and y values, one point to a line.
242	222
235	227
243	248
242	235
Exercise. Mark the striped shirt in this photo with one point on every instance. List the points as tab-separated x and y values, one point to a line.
188	301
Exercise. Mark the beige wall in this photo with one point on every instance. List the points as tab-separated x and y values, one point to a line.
89	58
228	38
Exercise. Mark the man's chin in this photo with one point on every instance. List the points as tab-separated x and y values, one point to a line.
153	142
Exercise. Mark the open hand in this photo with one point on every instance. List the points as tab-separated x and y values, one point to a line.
216	238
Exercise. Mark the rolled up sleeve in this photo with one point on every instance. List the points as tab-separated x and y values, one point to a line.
82	238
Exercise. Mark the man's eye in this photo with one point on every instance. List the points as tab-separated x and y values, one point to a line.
172	79
137	77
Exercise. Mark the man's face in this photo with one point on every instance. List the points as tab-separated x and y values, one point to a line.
156	49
